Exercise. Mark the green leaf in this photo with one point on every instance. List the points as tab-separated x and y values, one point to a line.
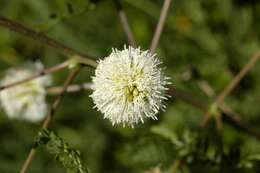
55	145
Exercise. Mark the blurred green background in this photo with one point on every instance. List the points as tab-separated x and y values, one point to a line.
203	40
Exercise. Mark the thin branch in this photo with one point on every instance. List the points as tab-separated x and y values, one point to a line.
154	170
175	93
125	23
206	88
50	115
234	119
70	89
229	116
160	25
38	36
188	98
176	165
131	40
57	102
210	92
38	74
231	86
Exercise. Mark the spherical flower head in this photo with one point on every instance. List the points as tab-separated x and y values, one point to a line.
25	101
129	86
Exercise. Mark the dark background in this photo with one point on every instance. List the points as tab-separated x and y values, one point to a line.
203	40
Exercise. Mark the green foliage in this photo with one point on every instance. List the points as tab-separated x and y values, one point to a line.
144	153
249	161
69	158
202	153
210	40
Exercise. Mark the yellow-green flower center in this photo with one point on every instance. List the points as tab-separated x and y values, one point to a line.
131	93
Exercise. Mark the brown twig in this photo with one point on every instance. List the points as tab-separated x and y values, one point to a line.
175	93
154	170
238	78
160	25
209	91
38	74
231	86
38	36
188	98
70	89
176	165
234	119
125	23
229	116
50	115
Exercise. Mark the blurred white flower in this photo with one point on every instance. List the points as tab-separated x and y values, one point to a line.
129	86
25	101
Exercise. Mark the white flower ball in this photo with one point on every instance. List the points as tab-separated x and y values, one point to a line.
25	101
129	86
